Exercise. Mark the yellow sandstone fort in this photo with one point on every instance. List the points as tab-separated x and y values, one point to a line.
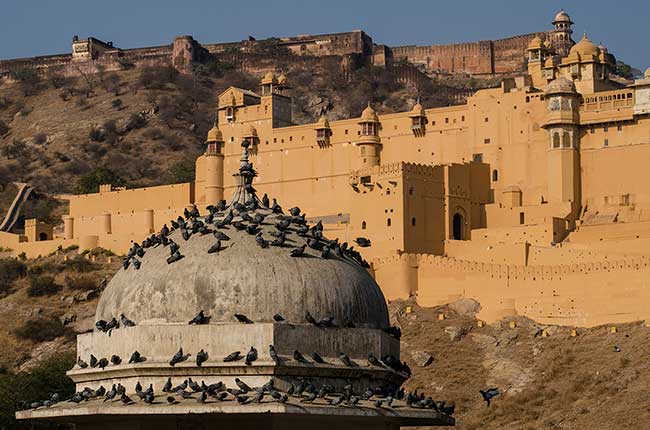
531	198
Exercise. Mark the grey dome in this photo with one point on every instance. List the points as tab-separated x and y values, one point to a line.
243	278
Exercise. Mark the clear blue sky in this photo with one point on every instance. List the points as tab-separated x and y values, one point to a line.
39	27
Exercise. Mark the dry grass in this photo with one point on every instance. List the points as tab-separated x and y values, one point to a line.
558	382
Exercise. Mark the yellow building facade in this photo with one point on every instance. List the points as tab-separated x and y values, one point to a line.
530	198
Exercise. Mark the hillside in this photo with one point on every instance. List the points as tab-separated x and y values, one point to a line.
146	126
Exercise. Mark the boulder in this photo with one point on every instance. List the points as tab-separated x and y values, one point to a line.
456	333
466	307
422	358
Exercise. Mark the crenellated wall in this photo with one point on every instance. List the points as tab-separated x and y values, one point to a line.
585	294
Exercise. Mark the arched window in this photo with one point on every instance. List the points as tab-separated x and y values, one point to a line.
387	192
556	140
413	221
363	225
566	140
457	227
388	222
495	175
42	236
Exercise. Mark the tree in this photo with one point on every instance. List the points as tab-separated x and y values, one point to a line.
111	83
29	80
182	171
117	104
90	182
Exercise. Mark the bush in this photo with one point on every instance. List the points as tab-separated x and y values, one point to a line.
117	104
81	283
134	121
29	80
41	329
39	138
4	128
10	270
182	171
153	133
80	265
125	64
15	149
42	286
90	182
47	378
95	134
157	77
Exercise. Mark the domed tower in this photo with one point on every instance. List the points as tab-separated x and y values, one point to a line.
323	131
561	36
268	84
214	166
418	120
561	123
369	142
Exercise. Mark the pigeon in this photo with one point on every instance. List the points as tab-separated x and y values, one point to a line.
362	242
239	225
337	400
278	318
276	208
489	394
317	358
353	401
149	398
279	241
126	399
111	324
221	396
252	229
345	359
126	263
261	242
200	319
298	252
101	325
251	356
93	361
327	322
310	319
349	324
121	389
259	396
325	253
168	386
174	257
220	235
184	394
136	358
243	319
102	363
265	200
299	357
136	264
294	211
115	359
193	385
215	248
447	409
234	356
82	364
310	397
242	399
274	354
178	358
203	397
171	400
111	394
373	361
138	387
201	357
242	385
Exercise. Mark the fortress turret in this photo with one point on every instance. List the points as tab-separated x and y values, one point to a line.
561	36
323	131
562	126
369	142
214	166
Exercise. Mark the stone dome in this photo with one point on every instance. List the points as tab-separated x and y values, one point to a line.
214	135
269	78
560	85
562	16
243	277
322	122
418	110
282	79
646	75
585	49
369	114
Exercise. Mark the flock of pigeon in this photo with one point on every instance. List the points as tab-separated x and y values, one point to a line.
248	217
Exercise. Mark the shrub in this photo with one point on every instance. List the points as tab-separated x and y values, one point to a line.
81	102
4	128
4	103
10	270
80	265
29	80
157	77
117	104
111	84
182	171
90	182
81	283
39	383
42	286
134	121
153	133
125	64
109	130
39	138
95	134
15	149
41	329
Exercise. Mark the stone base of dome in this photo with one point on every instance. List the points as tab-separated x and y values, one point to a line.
158	343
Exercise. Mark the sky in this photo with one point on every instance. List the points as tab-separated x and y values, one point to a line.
41	27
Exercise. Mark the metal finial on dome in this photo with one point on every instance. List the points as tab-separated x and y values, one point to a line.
244	190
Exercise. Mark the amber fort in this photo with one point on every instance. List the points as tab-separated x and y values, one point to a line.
531	197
